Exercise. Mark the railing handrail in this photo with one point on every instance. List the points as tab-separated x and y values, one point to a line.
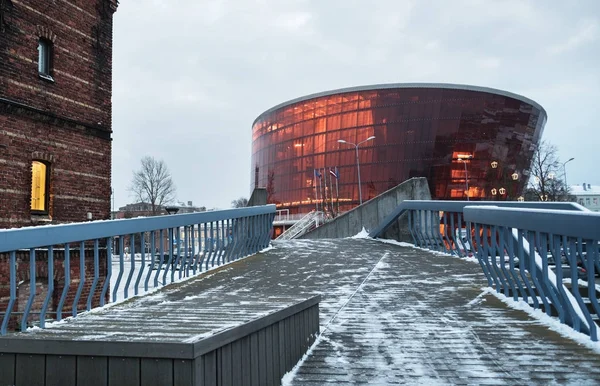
564	222
46	235
458	206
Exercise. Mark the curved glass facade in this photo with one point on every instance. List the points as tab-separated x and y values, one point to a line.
452	135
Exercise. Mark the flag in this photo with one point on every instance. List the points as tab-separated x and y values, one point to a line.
317	174
335	173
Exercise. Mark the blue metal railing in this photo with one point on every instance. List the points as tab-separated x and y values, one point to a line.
147	253
542	253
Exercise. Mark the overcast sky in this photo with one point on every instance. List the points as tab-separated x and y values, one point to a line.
190	76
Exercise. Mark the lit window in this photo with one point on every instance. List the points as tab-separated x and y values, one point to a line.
44	58
39	186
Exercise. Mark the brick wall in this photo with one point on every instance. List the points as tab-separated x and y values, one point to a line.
65	122
81	33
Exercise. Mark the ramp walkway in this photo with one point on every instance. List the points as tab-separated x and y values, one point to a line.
388	315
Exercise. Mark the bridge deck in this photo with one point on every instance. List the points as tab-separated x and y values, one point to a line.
389	314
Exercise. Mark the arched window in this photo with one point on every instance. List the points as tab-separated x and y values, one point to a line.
39	186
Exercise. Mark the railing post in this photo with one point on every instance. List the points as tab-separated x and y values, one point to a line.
106	285
32	289
482	256
508	243
13	291
67	270
96	275
143	263
152	259
132	265
524	261
534	271
50	287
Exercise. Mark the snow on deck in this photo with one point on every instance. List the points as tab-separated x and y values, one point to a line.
389	314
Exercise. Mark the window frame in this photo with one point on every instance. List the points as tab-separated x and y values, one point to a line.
46	187
45	58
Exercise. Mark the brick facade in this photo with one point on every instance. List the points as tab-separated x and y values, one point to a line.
63	121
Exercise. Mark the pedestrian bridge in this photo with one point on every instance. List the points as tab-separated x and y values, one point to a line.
388	314
363	311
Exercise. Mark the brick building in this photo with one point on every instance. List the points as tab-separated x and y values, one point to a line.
55	136
55	110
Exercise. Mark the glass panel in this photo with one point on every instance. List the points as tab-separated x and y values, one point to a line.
44	49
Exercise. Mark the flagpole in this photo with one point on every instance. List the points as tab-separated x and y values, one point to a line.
324	190
337	189
321	188
331	194
316	192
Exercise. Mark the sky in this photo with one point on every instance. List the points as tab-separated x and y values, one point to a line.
190	76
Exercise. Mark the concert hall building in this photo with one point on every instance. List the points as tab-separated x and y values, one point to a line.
454	135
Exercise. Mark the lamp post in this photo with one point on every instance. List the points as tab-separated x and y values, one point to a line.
356	145
466	174
565	171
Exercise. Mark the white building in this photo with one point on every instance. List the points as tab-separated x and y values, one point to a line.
587	195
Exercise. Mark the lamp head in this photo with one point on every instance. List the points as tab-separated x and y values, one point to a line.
370	138
341	141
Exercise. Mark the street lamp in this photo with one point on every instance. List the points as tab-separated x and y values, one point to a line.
466	173
356	145
565	171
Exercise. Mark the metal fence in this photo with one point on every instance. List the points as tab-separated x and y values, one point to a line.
545	254
59	270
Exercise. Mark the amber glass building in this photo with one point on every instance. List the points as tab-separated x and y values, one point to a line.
455	135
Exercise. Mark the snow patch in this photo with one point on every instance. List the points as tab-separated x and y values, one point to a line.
550	322
363	234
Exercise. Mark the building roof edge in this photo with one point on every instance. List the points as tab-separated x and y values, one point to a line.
385	86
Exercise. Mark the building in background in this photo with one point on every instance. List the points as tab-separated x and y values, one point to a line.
143	209
443	132
55	111
587	195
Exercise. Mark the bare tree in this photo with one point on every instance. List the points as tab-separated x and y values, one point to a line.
241	202
545	179
153	184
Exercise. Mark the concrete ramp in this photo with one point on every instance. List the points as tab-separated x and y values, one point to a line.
371	213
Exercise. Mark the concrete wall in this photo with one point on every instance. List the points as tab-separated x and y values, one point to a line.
259	197
372	212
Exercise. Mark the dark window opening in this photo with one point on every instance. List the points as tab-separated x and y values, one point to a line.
45	59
